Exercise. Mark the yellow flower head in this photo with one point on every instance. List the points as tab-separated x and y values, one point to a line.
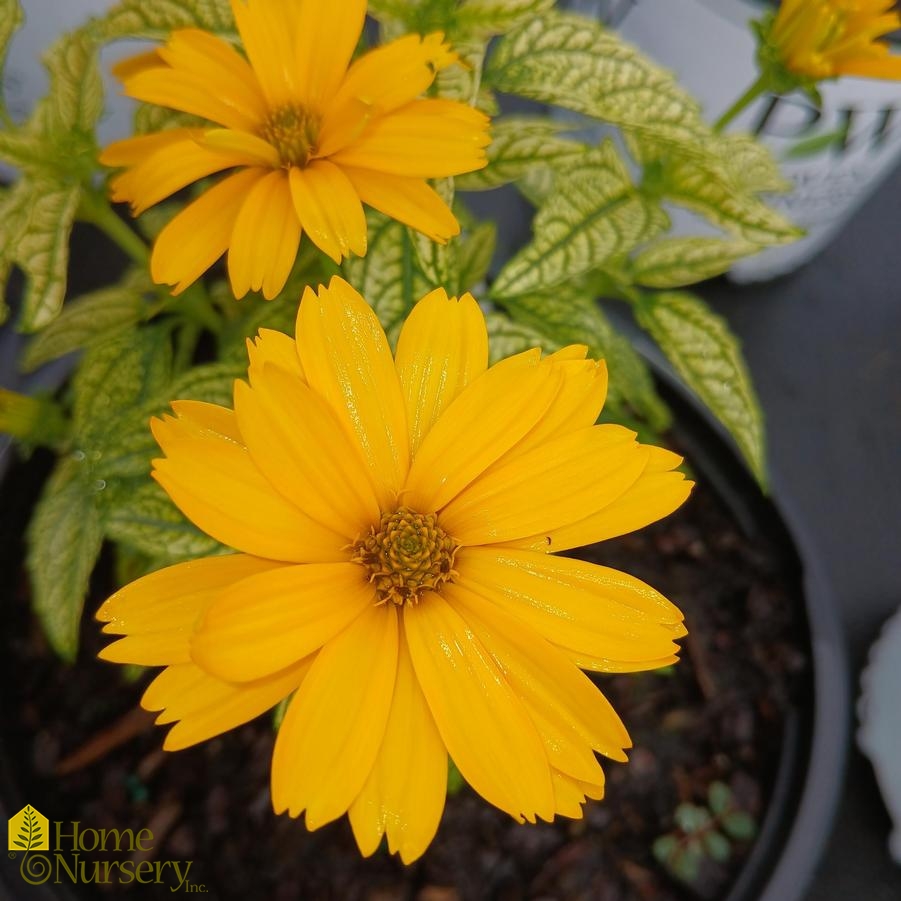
311	136
827	38
397	519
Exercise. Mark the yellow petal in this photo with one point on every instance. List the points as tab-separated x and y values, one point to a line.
394	74
346	358
251	150
300	446
424	139
482	722
408	200
263	244
329	209
557	483
217	63
570	794
571	714
266	28
200	233
578	404
206	706
443	346
269	621
272	348
327	34
137	62
213	481
656	493
208	417
169	169
331	734
404	794
606	619
131	151
476	429
188	92
158	612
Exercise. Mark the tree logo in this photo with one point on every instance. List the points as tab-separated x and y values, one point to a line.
29	831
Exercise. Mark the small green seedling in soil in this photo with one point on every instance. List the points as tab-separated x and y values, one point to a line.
703	833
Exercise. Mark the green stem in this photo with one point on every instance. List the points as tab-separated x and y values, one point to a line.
759	87
95	208
195	305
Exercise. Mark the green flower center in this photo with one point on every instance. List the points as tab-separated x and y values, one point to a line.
293	131
407	554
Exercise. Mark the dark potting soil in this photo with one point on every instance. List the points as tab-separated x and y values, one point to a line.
79	751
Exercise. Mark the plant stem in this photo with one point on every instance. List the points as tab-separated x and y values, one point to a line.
95	208
759	87
195	306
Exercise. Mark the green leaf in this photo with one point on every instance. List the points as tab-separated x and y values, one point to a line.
708	357
436	261
740	825
474	254
664	848
691	818
455	781
76	89
154	21
90	319
717	846
751	164
387	276
571	316
64	539
698	188
462	81
677	262
10	21
520	143
140	515
506	337
212	382
487	17
115	378
593	214
575	63
150	118
719	797
35	222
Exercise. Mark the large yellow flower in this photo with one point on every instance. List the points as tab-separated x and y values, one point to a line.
312	135
828	38
397	520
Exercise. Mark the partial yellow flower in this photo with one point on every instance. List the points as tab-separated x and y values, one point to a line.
396	520
828	38
312	137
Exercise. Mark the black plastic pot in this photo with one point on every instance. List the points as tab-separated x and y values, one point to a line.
809	777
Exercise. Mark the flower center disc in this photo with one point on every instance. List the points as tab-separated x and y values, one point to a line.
406	554
293	131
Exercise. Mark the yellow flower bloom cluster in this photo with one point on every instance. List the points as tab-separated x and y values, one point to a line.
312	135
828	38
396	519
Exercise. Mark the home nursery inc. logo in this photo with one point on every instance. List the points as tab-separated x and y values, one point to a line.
71	853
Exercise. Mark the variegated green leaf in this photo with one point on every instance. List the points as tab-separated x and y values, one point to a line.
571	316
141	516
507	337
436	261
518	144
150	118
593	215
474	254
76	91
676	262
575	63
35	222
10	20
90	319
487	17
751	165
462	81
212	382
694	186
388	276
64	539
708	357
154	21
